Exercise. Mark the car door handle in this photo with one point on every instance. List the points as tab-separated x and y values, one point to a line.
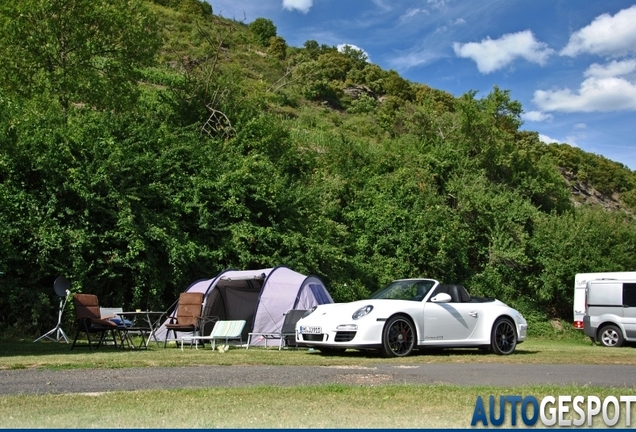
473	314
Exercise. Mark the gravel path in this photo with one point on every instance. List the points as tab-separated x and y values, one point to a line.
102	380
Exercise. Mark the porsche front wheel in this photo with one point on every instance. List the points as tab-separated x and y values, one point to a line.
503	339
398	337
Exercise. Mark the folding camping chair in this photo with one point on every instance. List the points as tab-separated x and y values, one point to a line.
287	332
89	320
188	316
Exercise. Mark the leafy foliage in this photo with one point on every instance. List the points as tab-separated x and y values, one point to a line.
264	29
76	51
357	57
137	180
277	47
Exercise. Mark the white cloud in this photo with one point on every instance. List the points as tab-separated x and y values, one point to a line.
410	13
546	139
300	5
607	36
570	139
612	69
491	55
414	58
537	116
574	137
382	5
437	4
604	89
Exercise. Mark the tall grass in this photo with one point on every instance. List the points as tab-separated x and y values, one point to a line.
328	406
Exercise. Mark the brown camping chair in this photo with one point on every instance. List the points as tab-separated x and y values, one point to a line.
188	316
89	321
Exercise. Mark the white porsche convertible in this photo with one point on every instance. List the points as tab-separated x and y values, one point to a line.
410	314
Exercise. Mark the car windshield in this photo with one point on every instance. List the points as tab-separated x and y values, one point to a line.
414	290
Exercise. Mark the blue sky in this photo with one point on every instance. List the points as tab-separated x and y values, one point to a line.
571	63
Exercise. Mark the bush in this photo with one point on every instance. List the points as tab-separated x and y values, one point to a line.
363	104
263	29
277	47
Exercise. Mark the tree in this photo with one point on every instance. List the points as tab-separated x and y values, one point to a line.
395	85
358	57
195	7
585	240
263	29
76	51
374	77
277	47
505	111
334	65
312	48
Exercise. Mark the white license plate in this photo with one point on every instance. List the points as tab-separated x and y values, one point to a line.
310	330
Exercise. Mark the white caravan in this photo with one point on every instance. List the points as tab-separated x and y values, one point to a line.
610	314
580	283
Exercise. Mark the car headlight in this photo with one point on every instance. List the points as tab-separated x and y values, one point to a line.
519	318
363	311
309	312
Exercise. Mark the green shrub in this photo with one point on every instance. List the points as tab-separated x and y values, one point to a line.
363	104
263	29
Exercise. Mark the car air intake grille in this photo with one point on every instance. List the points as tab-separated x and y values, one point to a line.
313	337
345	336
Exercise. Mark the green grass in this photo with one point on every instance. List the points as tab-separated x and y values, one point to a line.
21	354
327	406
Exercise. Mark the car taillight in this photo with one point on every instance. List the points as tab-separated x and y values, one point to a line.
578	324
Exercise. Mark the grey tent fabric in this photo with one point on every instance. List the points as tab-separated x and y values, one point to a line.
260	297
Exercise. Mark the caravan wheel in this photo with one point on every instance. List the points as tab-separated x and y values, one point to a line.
611	336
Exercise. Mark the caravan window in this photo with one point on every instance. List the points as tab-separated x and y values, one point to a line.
604	293
629	294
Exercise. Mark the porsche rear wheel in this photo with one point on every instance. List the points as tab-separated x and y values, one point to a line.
398	337
503	339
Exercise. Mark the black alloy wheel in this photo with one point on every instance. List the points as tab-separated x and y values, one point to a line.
398	337
503	339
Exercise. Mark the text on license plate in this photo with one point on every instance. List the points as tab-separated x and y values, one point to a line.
310	329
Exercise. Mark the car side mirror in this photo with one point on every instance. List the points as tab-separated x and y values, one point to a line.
441	298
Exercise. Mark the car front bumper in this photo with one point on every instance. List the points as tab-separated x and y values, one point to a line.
343	335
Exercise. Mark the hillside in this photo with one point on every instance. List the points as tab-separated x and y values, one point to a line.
593	179
176	144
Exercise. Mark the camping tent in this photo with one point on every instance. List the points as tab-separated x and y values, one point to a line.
260	297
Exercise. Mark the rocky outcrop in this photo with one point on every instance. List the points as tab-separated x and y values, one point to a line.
355	91
583	193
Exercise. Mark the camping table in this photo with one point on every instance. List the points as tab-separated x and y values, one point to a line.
147	326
